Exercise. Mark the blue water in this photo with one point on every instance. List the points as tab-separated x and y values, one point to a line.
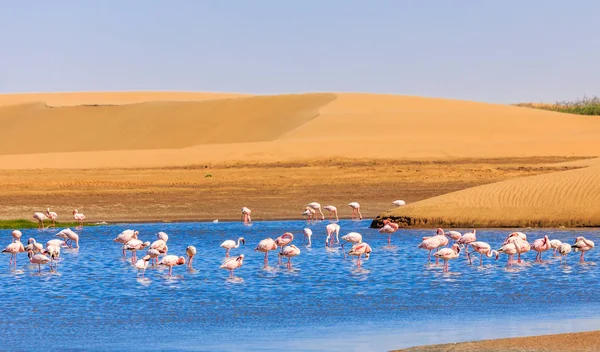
96	302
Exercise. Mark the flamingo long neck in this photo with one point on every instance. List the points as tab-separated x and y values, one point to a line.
336	216
238	243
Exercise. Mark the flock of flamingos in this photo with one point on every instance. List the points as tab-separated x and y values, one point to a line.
515	244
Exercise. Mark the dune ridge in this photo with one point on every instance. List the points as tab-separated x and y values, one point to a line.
567	198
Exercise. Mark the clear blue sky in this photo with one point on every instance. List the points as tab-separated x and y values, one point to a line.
495	51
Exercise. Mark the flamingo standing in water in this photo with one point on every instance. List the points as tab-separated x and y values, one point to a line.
555	244
483	248
289	252
191	252
309	213
16	234
352	237
541	245
358	250
233	263
333	232
266	245
53	251
171	261
355	210
52	216
332	211
317	207
69	235
389	228
125	237
160	246
40	259
152	254
520	241
564	250
229	244
135	245
141	265
454	235
429	244
467	239
162	236
246	218
40	217
33	247
79	217
399	203
447	254
282	241
307	234
582	245
509	249
13	249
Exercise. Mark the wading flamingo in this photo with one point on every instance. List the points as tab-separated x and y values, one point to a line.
55	242
333	232
54	252
355	210
40	259
467	239
454	235
152	254
307	234
582	245
521	245
141	265
171	261
33	247
69	235
266	245
78	217
358	250
16	234
135	245
483	248
160	246
388	229
40	217
447	254
52	216
13	249
246	218
162	236
289	252
564	250
317	207
229	244
125	237
332	211
191	252
555	244
399	203
309	213
233	263
429	244
352	237
541	245
509	249
282	241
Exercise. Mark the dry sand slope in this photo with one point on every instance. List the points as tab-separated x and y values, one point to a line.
566	198
62	133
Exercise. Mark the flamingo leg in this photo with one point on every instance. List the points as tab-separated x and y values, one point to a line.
170	271
580	258
289	263
389	240
519	258
481	260
266	259
227	253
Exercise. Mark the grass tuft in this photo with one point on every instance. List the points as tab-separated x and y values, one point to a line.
584	106
26	224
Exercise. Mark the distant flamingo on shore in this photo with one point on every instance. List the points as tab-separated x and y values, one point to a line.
317	207
355	210
246	218
52	216
40	217
309	213
332	211
79	217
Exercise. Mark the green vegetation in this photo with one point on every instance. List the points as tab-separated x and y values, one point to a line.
585	106
26	224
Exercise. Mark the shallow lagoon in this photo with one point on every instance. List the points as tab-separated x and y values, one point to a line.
325	303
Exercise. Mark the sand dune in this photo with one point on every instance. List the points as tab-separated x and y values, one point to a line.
566	198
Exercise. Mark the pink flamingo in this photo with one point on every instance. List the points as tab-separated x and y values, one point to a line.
162	236
141	265
355	210
191	252
289	252
307	234
78	217
521	245
483	248
233	263
467	239
333	231
564	250
352	237
159	246
53	251
171	261
358	250
541	245
317	207
230	244
152	254
332	211
135	245
555	244
454	235
266	245
582	245
13	249
509	249
69	235
40	259
52	216
309	213
389	228
447	254
246	218
16	234
429	244
33	247
125	237
40	217
282	241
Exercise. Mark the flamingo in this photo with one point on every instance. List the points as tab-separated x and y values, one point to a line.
40	259
332	211
355	210
33	247
309	213
467	239
282	241
389	228
521	245
266	245
564	250
582	245
289	252
454	235
13	249
171	261
191	252
447	254
509	249
78	217
541	245
160	246
429	244
125	237
152	254
229	244
358	250
54	252
307	234
232	263
69	235
52	216
555	244
333	232
399	203
162	236
55	242
520	235
317	207
40	217
483	248
136	245
246	219
141	265
16	234
352	237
